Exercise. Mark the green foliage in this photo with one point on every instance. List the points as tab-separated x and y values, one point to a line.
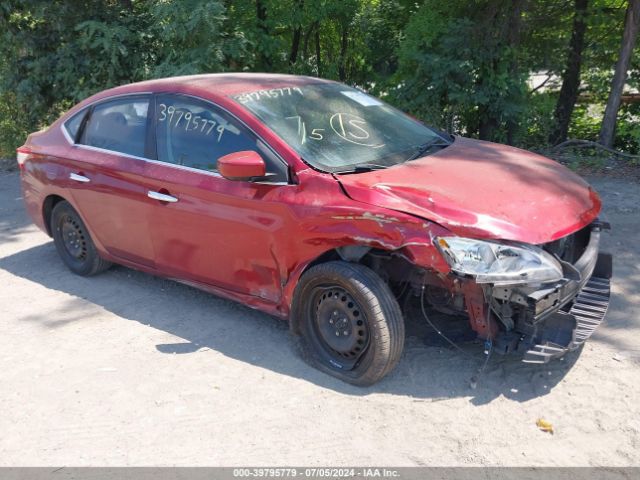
458	72
14	125
57	53
461	65
585	123
536	121
191	37
628	129
103	55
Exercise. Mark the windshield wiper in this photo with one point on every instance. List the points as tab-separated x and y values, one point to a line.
364	167
436	142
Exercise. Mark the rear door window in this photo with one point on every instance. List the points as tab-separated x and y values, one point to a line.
118	125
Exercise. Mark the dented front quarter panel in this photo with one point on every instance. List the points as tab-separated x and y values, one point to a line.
323	218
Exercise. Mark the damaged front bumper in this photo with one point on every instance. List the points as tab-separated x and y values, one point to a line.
546	321
568	328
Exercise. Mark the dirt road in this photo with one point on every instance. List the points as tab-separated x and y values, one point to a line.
129	369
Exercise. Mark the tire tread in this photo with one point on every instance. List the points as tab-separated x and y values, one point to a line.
96	264
384	315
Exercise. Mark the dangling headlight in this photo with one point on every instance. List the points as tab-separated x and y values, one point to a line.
499	263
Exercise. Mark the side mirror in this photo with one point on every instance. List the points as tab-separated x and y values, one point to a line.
241	165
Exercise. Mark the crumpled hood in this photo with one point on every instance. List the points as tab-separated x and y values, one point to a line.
483	190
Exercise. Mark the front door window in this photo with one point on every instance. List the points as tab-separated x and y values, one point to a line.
195	134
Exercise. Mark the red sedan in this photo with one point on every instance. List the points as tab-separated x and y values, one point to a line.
320	204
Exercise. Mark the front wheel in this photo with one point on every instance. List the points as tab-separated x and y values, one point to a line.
73	242
350	321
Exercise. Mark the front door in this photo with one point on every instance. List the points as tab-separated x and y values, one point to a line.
207	228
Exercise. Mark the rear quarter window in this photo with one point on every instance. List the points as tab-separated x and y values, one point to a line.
72	126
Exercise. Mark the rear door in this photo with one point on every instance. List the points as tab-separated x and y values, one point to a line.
107	177
210	229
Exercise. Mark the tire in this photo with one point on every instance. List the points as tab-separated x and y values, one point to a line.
73	242
353	304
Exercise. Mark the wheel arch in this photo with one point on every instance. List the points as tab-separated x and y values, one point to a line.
47	208
355	253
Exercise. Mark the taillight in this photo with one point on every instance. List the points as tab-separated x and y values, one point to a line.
22	154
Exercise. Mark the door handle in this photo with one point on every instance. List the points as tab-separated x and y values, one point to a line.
161	197
79	178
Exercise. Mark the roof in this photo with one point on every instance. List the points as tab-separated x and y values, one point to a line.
219	83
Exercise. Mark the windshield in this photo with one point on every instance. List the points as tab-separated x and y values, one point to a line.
337	129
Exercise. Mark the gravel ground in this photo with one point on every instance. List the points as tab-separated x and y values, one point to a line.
130	369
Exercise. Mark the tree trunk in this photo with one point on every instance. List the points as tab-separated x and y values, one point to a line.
295	45
261	19
571	77
307	37
608	128
317	39
261	16
503	18
487	121
488	127
342	67
297	34
513	40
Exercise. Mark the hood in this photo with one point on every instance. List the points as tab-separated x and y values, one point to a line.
483	190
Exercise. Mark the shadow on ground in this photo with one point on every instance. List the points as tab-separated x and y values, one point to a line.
203	321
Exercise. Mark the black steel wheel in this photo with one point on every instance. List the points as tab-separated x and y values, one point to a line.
73	238
350	321
339	325
73	242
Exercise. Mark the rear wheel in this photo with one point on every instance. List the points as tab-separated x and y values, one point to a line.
73	242
351	324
